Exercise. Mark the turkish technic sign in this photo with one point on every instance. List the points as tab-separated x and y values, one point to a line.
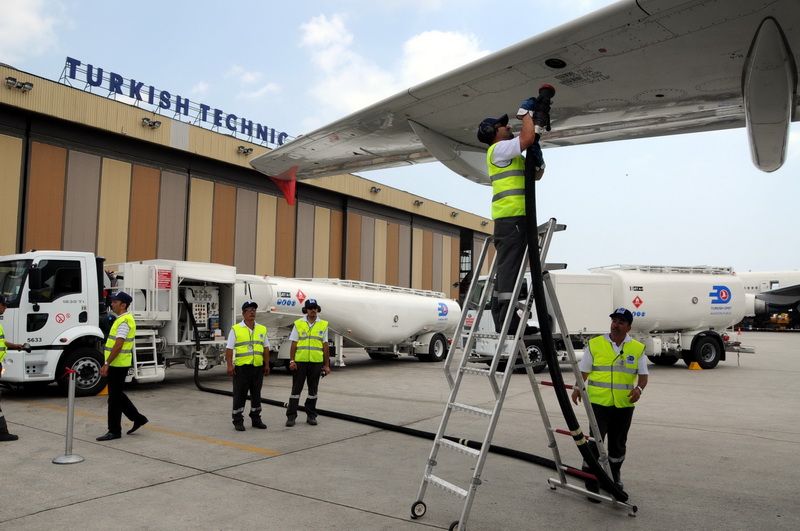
166	101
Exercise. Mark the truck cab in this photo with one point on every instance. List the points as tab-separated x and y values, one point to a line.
55	304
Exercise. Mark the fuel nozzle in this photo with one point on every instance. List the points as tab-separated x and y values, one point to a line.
541	113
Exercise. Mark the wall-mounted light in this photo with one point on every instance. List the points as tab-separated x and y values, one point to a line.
152	124
244	150
11	82
374	189
417	202
453	214
484	223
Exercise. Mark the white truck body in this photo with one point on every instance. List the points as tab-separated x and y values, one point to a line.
679	312
184	310
387	321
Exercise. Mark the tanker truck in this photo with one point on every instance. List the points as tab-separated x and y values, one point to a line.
57	303
679	313
386	321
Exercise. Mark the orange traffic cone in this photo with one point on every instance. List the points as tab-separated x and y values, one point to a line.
694	366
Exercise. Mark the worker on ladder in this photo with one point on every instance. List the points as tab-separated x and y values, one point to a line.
610	366
507	172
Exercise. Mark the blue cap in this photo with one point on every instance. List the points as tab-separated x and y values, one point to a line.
488	128
311	304
121	296
249	304
624	314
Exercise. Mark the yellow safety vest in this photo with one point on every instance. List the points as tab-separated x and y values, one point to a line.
249	347
125	356
310	340
508	186
3	348
613	376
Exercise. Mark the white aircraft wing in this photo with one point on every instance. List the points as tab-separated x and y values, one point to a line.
632	70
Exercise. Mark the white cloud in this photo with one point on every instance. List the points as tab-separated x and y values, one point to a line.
27	28
269	88
348	81
243	76
199	91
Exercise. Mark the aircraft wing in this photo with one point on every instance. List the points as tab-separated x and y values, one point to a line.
632	70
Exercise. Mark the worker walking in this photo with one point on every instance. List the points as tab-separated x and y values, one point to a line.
614	369
506	167
249	342
4	346
309	360
119	358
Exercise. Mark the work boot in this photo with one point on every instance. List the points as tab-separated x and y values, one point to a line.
592	485
256	422
615	474
289	422
312	421
238	422
4	435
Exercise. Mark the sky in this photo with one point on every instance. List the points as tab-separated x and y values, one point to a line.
683	200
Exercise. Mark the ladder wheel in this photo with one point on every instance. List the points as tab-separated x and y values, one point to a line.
418	510
453	526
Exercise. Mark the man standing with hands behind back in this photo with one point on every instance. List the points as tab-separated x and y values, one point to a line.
610	366
309	360
248	340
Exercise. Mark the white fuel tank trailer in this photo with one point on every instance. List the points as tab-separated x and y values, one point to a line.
384	320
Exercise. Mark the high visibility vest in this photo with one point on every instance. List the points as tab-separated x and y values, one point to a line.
3	348
249	347
310	340
508	187
125	356
613	376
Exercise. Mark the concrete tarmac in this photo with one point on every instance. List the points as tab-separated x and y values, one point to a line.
709	449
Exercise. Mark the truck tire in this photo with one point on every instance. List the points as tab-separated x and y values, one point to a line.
688	357
86	362
437	350
707	352
535	352
663	359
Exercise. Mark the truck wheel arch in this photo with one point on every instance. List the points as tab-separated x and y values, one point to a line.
708	349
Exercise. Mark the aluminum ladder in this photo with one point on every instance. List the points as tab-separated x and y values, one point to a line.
465	337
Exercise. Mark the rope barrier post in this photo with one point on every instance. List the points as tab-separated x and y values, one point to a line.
69	458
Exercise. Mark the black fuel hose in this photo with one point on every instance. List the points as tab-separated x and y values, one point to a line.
546	331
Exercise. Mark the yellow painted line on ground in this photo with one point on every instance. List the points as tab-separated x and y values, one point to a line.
218	442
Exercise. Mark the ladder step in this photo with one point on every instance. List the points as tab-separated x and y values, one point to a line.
458	447
446	485
482	372
471	409
490	335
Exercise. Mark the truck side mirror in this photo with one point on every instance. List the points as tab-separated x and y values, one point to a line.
35	278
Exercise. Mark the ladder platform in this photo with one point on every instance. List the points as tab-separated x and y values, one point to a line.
471	409
481	372
458	447
446	485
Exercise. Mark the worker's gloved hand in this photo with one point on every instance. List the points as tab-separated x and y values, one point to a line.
26	347
526	107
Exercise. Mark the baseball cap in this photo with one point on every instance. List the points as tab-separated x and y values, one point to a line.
249	304
488	128
624	314
122	297
311	303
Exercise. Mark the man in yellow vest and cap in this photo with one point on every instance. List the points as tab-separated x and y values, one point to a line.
119	358
507	171
309	360
248	341
614	369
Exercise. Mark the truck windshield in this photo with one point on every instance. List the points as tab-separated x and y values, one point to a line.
12	278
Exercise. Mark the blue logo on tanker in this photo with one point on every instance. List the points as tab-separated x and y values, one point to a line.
720	295
442	309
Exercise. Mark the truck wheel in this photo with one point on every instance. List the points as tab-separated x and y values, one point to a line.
86	362
707	352
535	353
437	350
663	359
